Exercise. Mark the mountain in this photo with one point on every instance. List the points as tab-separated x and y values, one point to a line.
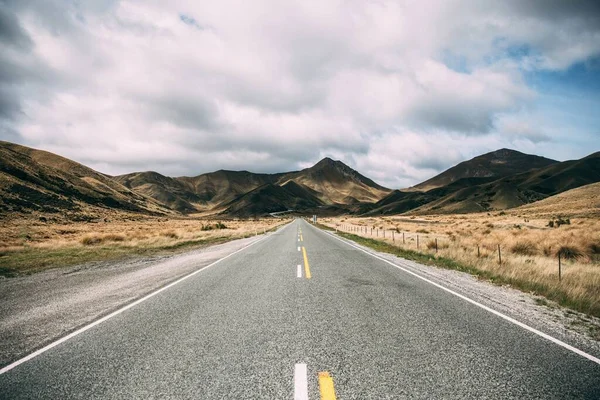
336	183
272	198
168	191
499	163
219	187
485	194
331	182
36	180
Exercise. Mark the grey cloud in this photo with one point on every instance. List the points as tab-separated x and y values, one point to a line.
258	94
11	32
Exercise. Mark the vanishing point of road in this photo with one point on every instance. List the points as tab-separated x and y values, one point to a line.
302	314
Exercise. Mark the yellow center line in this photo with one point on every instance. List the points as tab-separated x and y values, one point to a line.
326	386
301	238
306	266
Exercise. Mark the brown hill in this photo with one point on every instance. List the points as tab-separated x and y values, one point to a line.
35	180
485	194
499	163
272	198
581	202
336	183
220	187
332	182
169	191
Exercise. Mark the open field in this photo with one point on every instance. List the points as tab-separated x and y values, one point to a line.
529	249
29	245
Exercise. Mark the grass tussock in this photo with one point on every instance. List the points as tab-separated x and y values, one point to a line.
525	248
528	245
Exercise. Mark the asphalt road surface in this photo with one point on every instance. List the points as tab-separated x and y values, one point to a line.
301	315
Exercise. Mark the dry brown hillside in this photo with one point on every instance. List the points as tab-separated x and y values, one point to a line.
35	181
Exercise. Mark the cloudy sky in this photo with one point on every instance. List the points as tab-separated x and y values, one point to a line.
399	90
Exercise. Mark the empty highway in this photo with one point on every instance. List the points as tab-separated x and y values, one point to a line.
302	315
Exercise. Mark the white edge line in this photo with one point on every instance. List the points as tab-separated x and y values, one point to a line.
299	271
497	313
300	382
119	311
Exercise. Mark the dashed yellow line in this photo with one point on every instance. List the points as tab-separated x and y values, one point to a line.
326	386
301	238
306	265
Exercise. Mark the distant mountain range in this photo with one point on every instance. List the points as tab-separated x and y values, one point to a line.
39	182
499	188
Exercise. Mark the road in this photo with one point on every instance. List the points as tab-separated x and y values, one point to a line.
302	314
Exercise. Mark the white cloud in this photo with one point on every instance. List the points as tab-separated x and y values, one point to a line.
399	90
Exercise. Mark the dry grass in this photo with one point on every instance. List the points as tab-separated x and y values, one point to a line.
529	249
29	245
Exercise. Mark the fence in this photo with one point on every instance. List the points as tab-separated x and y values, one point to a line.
409	237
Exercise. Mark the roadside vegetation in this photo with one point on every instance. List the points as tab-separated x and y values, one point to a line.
506	248
28	246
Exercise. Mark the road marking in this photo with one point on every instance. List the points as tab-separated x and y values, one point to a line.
301	238
300	382
306	266
298	248
326	386
299	271
497	313
119	311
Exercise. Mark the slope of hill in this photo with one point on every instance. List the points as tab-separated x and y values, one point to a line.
580	202
332	182
499	163
485	194
168	191
220	187
35	180
337	183
272	198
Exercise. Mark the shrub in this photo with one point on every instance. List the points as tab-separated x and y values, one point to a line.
169	234
524	248
570	252
220	225
558	222
90	240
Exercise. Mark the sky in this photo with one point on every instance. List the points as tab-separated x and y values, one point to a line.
398	90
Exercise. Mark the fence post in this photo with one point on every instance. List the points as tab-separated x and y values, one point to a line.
559	268
478	253
417	241
403	242
436	245
499	255
393	239
384	233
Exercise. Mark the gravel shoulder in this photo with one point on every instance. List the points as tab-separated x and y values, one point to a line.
40	308
577	329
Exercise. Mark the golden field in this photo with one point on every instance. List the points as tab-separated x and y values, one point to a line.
529	248
30	245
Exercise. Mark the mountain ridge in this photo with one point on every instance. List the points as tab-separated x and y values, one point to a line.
39	181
